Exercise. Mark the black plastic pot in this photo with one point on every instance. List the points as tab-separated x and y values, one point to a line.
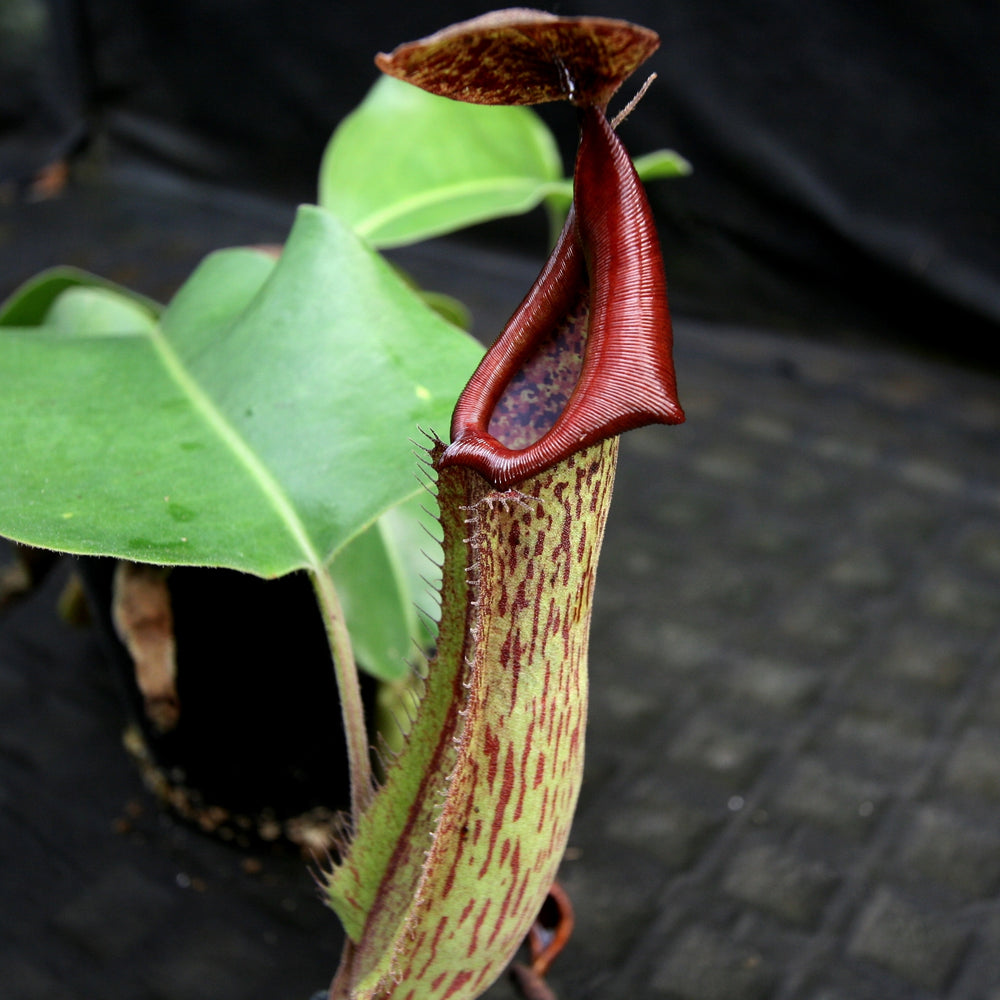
258	749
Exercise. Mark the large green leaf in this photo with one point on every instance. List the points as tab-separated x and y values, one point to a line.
407	165
260	424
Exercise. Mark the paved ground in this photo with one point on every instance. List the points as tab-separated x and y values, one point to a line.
793	786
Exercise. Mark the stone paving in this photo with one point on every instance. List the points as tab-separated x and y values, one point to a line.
793	783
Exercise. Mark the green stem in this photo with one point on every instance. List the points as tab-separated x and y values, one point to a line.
351	704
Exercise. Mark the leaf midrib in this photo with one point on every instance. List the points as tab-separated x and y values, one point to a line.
217	422
378	220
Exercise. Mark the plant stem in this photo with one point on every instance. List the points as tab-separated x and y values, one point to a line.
351	704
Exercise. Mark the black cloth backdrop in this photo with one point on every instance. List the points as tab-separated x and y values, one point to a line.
845	154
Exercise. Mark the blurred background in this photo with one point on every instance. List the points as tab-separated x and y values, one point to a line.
793	776
845	154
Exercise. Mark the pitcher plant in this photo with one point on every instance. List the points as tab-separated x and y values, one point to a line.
450	860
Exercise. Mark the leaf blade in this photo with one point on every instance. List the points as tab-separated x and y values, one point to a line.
30	303
382	175
661	164
376	603
262	441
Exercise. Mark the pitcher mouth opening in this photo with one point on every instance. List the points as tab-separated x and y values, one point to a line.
588	353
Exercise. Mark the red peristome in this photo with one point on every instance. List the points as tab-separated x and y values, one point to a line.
609	256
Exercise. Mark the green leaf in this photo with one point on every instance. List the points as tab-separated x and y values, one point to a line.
388	579
448	307
30	303
660	165
407	165
260	425
98	311
376	602
412	531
